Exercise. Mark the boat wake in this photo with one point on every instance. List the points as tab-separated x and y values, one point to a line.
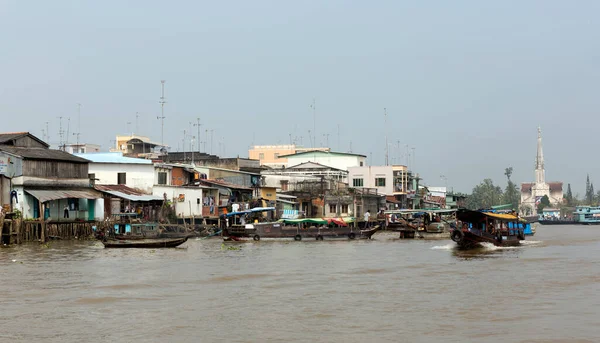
531	242
448	246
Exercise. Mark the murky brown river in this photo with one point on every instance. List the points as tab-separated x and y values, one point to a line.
383	290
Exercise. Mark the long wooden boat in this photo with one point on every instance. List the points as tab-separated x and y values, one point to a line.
145	243
477	227
422	223
296	229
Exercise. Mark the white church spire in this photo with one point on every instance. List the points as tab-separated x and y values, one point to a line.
539	161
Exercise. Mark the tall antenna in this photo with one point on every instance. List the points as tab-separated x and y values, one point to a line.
78	117
77	144
387	162
198	137
314	108
162	103
60	133
137	128
183	145
68	129
211	141
47	133
338	139
129	127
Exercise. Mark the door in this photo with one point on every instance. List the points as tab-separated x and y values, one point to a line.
91	209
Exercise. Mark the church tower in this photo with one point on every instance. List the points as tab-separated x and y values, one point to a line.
540	177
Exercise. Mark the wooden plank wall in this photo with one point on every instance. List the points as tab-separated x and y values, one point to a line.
58	169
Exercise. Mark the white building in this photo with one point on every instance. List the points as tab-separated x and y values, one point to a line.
377	177
188	201
81	148
111	168
337	160
532	193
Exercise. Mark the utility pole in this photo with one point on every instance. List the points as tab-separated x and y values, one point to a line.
387	162
198	137
162	103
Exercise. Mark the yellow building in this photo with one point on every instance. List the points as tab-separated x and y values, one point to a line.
134	145
268	155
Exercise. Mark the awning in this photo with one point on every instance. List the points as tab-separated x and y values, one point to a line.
44	195
134	197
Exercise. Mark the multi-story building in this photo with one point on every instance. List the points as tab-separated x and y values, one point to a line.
270	155
396	182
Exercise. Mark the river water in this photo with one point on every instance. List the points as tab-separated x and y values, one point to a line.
383	290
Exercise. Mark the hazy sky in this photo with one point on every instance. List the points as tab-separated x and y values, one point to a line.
466	83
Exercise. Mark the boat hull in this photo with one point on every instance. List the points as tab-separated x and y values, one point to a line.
146	243
470	240
274	232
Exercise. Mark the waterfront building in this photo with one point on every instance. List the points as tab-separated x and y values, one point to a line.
80	148
533	192
337	160
45	183
113	168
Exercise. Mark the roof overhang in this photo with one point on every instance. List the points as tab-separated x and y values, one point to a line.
44	195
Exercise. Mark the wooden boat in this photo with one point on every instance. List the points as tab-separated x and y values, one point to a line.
476	227
145	243
296	229
422	223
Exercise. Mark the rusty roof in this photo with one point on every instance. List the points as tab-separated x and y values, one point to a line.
42	154
8	137
225	184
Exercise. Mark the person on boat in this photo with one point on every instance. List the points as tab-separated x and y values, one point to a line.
367	216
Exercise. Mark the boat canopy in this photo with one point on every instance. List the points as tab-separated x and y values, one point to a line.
421	211
252	210
323	221
305	220
477	216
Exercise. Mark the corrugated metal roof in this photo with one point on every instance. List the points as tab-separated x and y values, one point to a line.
42	154
134	197
112	157
44	195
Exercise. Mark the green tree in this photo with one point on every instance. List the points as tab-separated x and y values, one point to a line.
569	195
485	195
511	194
544	202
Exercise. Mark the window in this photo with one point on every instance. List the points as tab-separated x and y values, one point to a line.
380	182
332	208
361	164
357	182
284	185
162	178
344	208
261	156
121	179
